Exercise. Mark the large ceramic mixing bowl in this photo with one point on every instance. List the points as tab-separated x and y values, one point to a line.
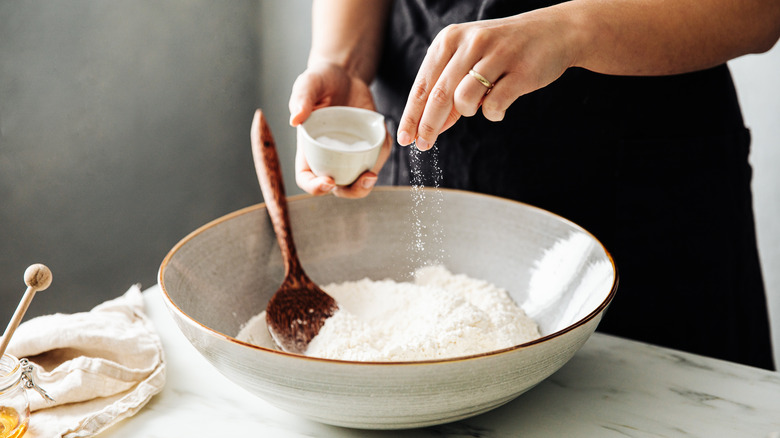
224	273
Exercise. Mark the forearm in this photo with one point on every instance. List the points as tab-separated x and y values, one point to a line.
349	33
658	37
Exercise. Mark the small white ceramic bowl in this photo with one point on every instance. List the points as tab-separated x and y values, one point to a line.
342	142
225	272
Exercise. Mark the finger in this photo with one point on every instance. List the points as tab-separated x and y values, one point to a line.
454	116
437	109
308	89
313	184
301	101
436	59
470	91
505	91
407	127
307	180
493	110
358	189
468	97
440	112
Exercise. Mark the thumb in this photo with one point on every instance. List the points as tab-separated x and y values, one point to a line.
306	90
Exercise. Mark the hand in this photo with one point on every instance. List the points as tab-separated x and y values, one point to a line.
517	54
324	85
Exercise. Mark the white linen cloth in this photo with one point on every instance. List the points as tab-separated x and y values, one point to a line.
99	366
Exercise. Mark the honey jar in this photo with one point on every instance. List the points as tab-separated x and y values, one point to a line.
14	403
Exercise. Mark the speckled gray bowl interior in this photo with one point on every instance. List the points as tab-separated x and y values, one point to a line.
224	273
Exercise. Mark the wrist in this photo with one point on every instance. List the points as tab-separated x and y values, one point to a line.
580	31
349	65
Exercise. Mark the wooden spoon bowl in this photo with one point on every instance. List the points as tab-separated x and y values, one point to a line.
299	308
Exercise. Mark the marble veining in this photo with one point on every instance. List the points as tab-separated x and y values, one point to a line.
611	388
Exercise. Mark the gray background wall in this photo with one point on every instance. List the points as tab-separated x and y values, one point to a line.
758	83
124	126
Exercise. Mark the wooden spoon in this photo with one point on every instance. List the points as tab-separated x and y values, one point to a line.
299	307
37	277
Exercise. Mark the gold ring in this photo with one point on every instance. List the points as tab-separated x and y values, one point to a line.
482	80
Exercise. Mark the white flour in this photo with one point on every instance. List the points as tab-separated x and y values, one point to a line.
440	316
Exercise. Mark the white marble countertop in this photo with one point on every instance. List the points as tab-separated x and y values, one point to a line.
611	388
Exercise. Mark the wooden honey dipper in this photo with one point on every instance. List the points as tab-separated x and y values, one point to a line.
37	277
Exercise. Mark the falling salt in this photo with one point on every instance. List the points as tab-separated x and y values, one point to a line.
427	238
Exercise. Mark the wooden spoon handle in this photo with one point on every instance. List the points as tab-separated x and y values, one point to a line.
269	174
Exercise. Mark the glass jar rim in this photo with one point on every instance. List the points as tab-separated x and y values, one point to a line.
10	372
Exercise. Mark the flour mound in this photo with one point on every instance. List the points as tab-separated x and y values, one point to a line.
441	315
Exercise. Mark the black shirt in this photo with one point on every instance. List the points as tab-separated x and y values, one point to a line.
655	167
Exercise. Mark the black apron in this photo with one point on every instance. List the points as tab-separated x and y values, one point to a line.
655	167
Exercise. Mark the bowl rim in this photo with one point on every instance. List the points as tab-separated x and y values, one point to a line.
374	147
297	198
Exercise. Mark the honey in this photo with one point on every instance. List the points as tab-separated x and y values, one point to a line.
12	425
14	404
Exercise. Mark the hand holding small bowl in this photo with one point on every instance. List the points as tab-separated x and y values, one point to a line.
342	142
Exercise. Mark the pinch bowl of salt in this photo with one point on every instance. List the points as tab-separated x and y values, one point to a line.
342	142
